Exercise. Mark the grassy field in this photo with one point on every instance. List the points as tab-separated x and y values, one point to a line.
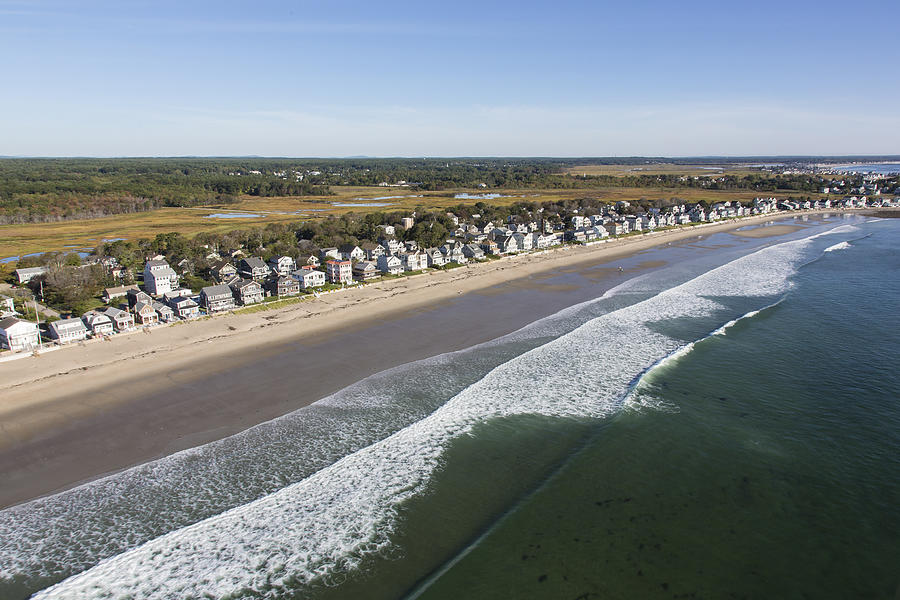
83	235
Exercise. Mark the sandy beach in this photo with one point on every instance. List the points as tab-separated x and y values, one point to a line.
83	411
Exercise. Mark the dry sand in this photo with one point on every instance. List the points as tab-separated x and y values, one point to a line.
60	411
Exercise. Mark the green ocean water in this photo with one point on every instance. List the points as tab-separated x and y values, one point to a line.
769	466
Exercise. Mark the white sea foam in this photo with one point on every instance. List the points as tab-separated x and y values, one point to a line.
840	246
835	231
328	522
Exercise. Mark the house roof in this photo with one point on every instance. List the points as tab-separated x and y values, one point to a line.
115	313
308	272
10	321
160	307
141	307
182	301
68	324
221	264
241	284
94	317
216	290
254	262
157	264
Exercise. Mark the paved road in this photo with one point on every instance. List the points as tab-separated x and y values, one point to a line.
23	292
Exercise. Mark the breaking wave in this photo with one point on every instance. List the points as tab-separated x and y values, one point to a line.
840	246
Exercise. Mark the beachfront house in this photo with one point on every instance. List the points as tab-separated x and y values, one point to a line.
216	298
309	278
253	268
159	277
122	320
453	252
97	323
473	251
524	241
364	271
68	330
390	264
18	335
490	247
247	291
339	271
145	314
282	265
165	312
435	257
184	307
284	286
414	261
614	228
506	244
27	274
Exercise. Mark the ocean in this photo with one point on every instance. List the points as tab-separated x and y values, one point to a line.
726	426
875	168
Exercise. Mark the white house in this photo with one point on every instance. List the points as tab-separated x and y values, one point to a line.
390	264
98	323
435	257
282	265
351	252
18	335
68	330
159	277
309	278
414	261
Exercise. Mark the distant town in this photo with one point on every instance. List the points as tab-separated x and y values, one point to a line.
169	290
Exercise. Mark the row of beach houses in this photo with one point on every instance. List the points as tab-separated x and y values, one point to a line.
250	280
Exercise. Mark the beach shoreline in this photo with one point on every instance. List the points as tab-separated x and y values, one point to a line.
56	407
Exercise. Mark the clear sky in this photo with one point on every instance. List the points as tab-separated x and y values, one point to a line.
464	78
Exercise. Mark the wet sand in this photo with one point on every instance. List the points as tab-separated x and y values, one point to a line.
81	412
764	231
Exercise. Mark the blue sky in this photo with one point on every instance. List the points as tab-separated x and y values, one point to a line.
273	78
